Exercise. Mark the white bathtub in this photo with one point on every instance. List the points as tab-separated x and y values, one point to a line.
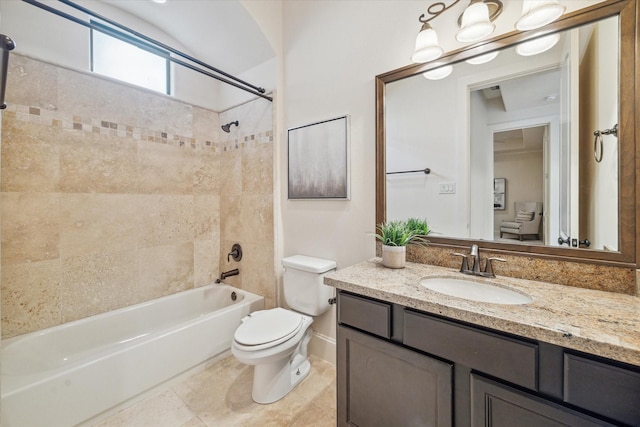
66	374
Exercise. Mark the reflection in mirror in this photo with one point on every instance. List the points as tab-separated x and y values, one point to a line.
528	119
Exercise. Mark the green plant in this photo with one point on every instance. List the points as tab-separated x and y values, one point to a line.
419	225
400	233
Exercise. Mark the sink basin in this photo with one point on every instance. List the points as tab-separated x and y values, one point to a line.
475	291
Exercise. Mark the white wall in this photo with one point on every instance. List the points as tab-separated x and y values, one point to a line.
420	136
332	52
50	38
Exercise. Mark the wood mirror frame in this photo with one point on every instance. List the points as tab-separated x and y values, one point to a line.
629	150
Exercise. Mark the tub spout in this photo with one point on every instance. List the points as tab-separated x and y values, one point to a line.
226	274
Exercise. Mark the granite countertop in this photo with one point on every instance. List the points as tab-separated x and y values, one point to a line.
601	323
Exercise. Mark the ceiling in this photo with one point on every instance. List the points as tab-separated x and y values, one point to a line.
219	32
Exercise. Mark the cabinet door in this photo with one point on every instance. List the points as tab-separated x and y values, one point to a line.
496	405
383	384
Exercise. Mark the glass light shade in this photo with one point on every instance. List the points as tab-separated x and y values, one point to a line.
475	23
483	59
536	46
427	48
538	13
438	73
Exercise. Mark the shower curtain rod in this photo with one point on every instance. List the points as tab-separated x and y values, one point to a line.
247	87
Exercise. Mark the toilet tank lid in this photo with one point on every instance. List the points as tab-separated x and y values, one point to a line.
307	263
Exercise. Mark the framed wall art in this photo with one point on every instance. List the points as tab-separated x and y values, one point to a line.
318	160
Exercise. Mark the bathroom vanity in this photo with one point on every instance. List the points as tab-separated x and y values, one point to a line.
408	355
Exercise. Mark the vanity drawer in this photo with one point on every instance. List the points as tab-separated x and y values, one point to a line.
603	388
366	314
501	356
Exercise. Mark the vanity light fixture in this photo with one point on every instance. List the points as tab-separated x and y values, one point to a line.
427	48
476	22
536	46
538	13
438	73
483	59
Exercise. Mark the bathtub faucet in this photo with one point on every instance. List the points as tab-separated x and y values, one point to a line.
226	274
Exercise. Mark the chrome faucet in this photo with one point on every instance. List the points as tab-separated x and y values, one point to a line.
475	269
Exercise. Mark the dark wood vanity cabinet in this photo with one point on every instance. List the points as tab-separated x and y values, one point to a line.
382	383
402	367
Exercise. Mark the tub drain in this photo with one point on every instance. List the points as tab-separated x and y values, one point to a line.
234	296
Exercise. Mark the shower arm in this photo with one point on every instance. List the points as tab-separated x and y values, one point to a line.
6	45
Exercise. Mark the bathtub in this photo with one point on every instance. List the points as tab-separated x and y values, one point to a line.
64	375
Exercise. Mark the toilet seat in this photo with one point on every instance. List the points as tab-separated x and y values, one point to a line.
267	328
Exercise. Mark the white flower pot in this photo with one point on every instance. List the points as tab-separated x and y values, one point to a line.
394	256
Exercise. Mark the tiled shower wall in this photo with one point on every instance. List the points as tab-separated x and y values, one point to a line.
113	195
246	197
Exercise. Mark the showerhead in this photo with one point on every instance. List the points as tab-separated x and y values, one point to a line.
227	127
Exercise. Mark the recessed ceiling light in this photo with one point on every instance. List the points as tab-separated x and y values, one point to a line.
159	1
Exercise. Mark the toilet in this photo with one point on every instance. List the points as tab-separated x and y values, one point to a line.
276	340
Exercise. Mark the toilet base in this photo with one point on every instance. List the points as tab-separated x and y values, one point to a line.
273	381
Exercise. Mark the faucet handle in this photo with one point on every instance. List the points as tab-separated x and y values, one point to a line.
488	269
465	261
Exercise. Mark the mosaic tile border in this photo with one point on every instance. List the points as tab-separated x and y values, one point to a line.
70	122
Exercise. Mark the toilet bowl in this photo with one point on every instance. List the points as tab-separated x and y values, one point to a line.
275	341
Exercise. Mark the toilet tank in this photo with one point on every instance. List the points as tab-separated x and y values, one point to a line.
304	289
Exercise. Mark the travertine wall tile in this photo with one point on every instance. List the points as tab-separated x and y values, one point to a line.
256	218
30	227
257	276
30	296
31	156
246	203
206	172
97	283
206	259
96	163
230	212
207	217
165	270
257	169
165	219
113	195
98	223
231	173
33	83
165	169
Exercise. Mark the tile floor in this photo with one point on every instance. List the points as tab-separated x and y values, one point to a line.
220	396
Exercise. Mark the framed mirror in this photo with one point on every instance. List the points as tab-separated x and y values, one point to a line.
528	149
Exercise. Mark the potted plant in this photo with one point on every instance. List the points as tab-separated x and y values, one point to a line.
395	235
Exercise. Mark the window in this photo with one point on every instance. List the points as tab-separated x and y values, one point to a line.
123	57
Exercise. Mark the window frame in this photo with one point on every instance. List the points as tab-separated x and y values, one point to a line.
124	37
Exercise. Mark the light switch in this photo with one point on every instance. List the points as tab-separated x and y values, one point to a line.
447	188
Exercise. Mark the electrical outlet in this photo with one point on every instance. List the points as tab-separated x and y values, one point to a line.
447	188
